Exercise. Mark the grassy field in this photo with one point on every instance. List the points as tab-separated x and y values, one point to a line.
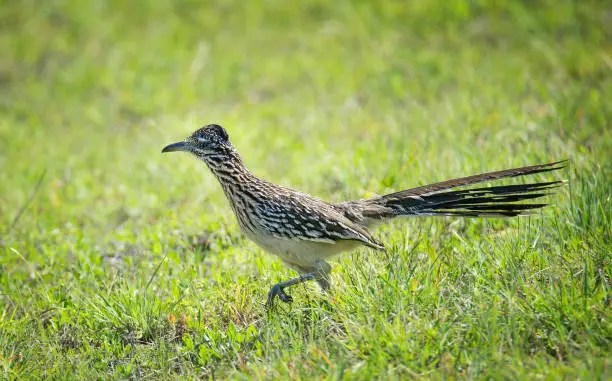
117	262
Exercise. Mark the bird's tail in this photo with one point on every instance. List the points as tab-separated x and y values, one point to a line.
499	201
440	199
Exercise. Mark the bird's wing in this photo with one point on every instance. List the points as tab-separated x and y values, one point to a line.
315	221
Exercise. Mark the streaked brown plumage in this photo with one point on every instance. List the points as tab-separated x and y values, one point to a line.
305	231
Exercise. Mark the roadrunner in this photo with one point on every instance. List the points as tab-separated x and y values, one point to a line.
305	231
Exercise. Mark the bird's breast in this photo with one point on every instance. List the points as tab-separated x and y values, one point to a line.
302	252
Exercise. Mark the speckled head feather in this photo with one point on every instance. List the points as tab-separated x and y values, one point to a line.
211	144
210	139
210	136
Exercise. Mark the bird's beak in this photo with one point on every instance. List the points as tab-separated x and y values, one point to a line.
180	146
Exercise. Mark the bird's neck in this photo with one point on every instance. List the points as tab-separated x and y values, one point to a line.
231	172
240	186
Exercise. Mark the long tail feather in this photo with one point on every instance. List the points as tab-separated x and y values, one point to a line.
485	202
483	177
440	199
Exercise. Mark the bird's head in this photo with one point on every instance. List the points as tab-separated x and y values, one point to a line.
210	143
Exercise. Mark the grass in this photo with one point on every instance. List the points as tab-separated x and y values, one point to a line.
118	263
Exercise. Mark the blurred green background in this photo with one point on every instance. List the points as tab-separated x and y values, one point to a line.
119	262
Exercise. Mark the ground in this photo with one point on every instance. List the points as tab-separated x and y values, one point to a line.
119	262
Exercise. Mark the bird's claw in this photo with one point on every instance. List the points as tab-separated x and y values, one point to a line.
275	291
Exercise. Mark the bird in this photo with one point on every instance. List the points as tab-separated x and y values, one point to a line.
305	231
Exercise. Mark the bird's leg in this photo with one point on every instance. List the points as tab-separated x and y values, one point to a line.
279	288
320	275
324	282
324	269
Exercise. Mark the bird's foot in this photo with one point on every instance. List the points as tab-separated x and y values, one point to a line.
277	290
